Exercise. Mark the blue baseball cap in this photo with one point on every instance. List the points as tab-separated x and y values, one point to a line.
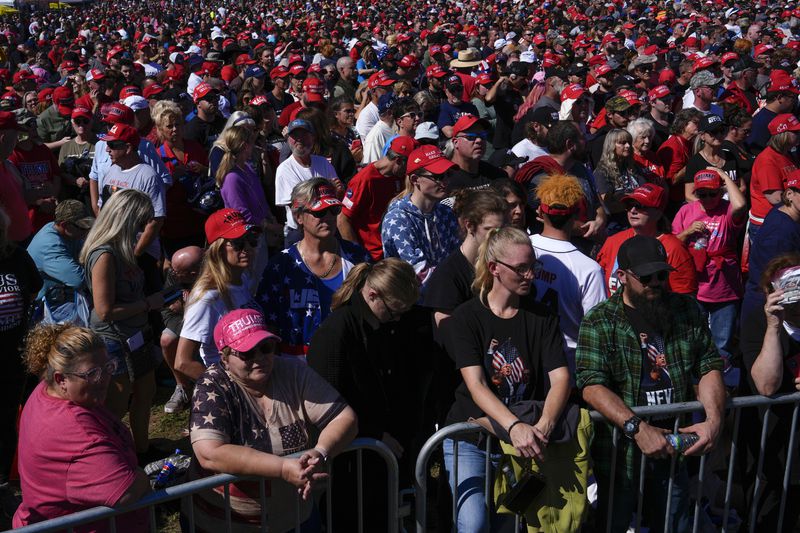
255	71
299	123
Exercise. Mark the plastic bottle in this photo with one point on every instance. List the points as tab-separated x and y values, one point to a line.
701	243
682	441
167	471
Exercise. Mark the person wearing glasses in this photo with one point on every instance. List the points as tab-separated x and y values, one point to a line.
362	349
76	155
74	453
251	409
369	193
710	227
297	287
647	346
342	119
740	124
710	155
508	349
224	284
470	138
417	227
208	123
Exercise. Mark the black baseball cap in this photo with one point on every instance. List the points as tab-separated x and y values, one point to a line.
711	123
643	255
545	115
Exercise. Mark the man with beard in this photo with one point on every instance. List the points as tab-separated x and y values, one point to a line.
645	346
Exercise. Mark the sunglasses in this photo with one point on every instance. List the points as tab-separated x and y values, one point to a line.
412	115
322	213
707	194
95	375
245	240
637	206
436	178
81	121
265	348
522	270
646	279
474	136
117	145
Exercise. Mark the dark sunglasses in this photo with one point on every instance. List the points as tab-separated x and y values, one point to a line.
646	279
80	121
245	240
474	136
265	348
522	270
707	194
333	210
412	115
436	178
117	145
636	205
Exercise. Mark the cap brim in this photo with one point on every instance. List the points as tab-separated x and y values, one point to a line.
314	97
252	340
651	268
236	232
64	110
324	203
439	166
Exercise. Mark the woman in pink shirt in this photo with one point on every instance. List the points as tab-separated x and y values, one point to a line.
74	453
710	226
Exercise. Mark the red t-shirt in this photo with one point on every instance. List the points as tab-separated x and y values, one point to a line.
38	167
682	280
13	202
368	195
673	156
182	221
770	171
72	458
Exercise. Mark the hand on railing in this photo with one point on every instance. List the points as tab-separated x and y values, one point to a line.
651	441
528	441
303	473
708	432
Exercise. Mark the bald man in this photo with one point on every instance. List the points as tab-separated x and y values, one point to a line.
185	268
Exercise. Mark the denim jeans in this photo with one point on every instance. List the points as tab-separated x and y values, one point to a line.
473	516
722	320
654	502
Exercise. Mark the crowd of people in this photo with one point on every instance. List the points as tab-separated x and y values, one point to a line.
331	220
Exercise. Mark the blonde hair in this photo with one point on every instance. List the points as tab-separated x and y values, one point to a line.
215	275
782	142
305	193
493	247
608	163
233	142
119	222
51	348
165	110
392	278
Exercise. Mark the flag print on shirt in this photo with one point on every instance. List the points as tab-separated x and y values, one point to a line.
507	370
12	303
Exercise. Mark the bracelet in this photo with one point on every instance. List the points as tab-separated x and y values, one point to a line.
512	426
323	452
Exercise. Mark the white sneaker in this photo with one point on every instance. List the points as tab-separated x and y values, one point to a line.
177	402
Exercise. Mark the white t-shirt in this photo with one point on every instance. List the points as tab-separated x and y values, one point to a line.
366	119
571	280
375	141
202	315
525	148
291	172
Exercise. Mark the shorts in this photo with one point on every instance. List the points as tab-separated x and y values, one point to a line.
135	364
172	321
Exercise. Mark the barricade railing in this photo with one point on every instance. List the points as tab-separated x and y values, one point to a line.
734	406
187	490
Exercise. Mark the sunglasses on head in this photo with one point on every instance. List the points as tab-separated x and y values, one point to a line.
117	145
647	278
248	239
707	194
332	210
265	348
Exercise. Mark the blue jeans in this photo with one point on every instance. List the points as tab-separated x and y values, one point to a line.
654	502
473	516
722	320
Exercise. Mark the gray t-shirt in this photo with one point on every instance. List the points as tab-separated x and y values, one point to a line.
128	288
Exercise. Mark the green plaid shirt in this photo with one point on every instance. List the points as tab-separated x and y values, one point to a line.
609	353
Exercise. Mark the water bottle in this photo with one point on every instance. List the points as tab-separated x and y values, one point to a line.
701	243
682	441
167	470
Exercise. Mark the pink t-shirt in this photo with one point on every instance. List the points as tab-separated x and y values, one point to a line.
72	458
722	279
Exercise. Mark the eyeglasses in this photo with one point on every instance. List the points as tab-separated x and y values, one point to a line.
265	348
393	315
117	145
436	178
245	240
522	271
332	210
707	194
474	136
81	121
637	206
95	375
412	115
646	279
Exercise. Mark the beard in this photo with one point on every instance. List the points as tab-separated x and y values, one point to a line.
654	311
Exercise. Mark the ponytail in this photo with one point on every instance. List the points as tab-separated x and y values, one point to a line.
493	247
354	282
393	278
55	348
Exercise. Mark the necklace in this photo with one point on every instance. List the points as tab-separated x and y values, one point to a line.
330	267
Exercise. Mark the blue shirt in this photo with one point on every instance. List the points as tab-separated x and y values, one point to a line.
56	259
449	113
759	132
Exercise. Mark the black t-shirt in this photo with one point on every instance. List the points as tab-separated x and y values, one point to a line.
450	285
19	279
516	354
461	179
655	384
279	103
506	105
204	132
697	163
662	134
744	159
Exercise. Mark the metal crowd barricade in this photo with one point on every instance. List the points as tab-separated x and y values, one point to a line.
186	490
735	405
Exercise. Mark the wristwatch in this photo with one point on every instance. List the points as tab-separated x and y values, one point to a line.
631	426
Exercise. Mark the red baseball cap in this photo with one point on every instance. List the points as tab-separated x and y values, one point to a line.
242	330
124	133
23	75
436	71
95	75
81	112
9	122
245	59
602	70
408	61
661	91
648	195
573	91
403	145
297	68
325	197
703	63
279	72
314	89
226	223
484	79
780	80
379	79
152	90
793	180
201	91
782	123
64	99
729	56
429	158
467	121
129	90
707	179
259	100
762	49
117	113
